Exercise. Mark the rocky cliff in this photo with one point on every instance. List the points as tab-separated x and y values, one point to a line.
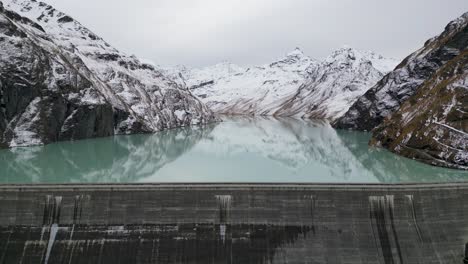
59	81
432	125
399	85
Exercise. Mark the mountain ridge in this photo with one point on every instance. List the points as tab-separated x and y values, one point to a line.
278	88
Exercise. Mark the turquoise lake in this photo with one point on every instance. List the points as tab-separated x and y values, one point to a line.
236	150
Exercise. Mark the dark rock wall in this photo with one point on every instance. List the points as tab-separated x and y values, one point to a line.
233	224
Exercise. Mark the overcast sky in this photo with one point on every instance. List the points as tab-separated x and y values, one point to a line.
246	32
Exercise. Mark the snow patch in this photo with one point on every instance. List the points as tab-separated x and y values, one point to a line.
24	132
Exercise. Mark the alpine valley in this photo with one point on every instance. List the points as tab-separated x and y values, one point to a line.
59	81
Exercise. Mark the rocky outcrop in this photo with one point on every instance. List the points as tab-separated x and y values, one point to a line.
295	85
59	81
399	85
432	125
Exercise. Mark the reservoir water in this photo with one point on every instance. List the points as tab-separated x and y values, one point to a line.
236	150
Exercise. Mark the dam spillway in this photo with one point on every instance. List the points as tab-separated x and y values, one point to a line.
234	223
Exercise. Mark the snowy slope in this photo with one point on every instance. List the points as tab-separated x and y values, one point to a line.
295	85
228	88
336	84
83	68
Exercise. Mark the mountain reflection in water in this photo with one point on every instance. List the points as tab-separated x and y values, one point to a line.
239	149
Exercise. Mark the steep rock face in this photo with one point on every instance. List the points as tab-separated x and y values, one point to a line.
40	91
59	81
432	125
293	86
399	85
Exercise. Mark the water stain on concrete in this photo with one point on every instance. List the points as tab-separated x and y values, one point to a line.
233	224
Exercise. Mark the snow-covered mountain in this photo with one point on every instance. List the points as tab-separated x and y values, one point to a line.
229	88
336	83
398	86
295	85
59	81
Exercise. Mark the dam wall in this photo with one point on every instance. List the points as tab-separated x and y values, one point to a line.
234	223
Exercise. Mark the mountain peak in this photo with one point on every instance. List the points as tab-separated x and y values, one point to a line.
345	54
352	56
458	22
295	53
345	49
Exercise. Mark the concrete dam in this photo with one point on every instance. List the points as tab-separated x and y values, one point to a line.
234	223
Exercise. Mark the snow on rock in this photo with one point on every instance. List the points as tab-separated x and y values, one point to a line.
24	133
399	85
228	88
79	78
295	85
432	125
335	84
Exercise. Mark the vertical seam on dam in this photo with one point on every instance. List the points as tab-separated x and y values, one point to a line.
224	207
414	217
312	200
390	203
378	214
378	206
51	218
